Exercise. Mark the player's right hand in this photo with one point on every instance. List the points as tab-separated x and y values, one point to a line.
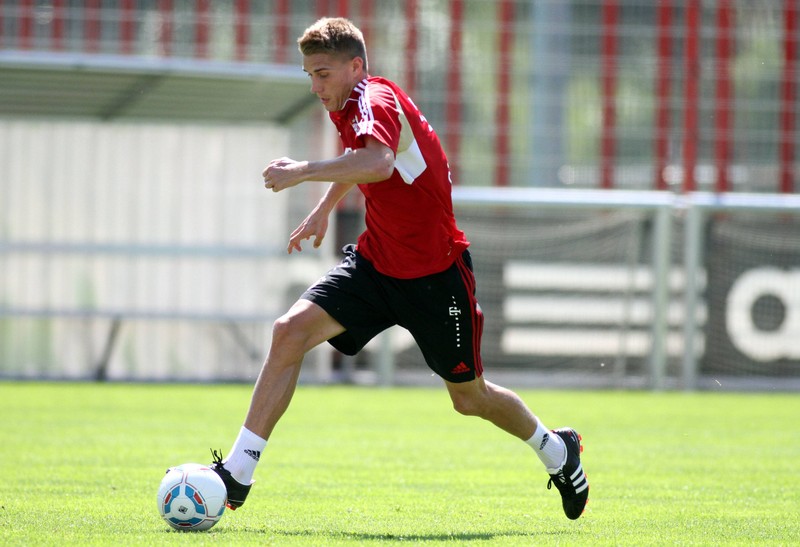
283	173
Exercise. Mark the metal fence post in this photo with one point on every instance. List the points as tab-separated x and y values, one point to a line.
385	365
693	249
661	264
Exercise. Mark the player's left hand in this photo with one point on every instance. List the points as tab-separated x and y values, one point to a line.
315	225
283	173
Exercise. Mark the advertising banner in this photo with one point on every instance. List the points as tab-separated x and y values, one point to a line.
753	296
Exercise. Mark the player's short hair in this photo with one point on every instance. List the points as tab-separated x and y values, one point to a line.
336	36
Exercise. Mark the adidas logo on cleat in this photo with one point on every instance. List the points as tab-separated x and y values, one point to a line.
579	481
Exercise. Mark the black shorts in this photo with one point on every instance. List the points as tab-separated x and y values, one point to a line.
440	311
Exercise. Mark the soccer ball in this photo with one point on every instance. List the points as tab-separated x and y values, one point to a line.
191	497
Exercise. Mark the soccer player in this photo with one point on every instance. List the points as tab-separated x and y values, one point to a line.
410	267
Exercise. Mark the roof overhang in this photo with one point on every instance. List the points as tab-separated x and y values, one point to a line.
113	87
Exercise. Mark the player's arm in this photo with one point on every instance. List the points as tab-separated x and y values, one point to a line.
372	163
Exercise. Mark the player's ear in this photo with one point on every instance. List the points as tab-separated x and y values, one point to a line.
357	64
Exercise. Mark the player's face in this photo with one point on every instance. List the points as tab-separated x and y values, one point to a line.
332	78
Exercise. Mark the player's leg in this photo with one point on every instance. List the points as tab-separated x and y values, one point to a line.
303	327
494	403
447	324
558	450
506	410
443	314
345	308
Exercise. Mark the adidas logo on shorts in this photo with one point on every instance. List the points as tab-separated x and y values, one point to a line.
460	368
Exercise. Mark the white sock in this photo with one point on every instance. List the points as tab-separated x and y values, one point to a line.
244	455
549	447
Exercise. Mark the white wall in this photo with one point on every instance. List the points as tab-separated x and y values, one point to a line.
141	219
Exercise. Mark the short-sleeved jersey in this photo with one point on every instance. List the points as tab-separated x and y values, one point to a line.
411	230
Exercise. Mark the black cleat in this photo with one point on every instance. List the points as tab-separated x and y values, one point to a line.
570	480
237	492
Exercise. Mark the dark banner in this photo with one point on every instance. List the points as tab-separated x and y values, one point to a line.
753	295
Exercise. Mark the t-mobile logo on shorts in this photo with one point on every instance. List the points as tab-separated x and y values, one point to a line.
455	311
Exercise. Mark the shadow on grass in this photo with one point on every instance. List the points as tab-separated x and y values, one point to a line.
474	536
321	535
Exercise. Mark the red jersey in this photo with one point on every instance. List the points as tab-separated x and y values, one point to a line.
411	230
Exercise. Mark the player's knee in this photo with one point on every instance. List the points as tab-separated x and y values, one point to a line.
467	404
281	327
295	333
288	331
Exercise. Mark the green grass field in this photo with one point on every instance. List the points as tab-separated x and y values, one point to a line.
81	464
